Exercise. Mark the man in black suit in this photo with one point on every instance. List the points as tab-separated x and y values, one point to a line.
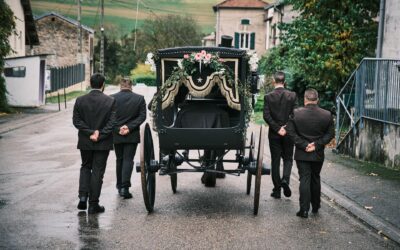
311	128
94	117
131	113
278	105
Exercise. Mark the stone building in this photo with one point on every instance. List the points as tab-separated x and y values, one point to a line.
244	21
59	36
277	13
25	29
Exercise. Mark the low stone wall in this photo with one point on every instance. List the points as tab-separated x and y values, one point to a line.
376	142
76	87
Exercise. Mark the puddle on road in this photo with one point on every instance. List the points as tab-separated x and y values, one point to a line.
77	226
3	203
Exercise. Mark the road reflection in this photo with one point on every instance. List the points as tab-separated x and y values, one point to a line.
88	230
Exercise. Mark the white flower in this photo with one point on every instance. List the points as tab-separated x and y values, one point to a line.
150	61
180	64
253	61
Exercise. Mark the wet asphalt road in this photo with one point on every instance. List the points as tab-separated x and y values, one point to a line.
39	170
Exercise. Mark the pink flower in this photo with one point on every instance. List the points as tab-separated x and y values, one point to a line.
208	57
221	60
186	56
198	57
203	53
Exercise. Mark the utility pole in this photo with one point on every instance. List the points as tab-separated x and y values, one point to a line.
137	11
380	28
102	39
80	30
80	35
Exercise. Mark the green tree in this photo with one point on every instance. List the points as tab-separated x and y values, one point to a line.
112	53
166	32
6	28
322	46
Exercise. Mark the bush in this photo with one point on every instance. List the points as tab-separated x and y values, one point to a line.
148	80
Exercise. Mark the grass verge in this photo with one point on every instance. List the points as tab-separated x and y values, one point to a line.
69	96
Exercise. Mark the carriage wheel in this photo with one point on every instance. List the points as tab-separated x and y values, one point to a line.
251	158
260	156
174	177
148	178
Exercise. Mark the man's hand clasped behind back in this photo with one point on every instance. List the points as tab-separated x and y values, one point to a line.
124	130
282	131
95	136
310	147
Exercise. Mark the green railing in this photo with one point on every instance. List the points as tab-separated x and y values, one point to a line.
372	92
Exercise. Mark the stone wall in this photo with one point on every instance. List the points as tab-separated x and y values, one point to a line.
60	39
375	141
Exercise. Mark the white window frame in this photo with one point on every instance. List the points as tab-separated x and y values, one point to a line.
242	44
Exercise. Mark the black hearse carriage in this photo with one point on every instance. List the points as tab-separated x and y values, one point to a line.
203	103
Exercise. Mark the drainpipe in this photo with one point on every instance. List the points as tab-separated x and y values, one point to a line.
380	29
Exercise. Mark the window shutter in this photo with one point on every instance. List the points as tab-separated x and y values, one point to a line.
252	40
245	22
236	40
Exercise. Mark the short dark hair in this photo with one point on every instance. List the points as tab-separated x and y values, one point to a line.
279	77
97	81
311	95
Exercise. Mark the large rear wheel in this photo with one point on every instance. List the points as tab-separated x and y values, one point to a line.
148	177
260	156
251	159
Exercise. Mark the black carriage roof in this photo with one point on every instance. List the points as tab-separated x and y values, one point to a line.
222	51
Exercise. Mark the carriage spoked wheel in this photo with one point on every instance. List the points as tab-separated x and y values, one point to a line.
148	177
174	177
260	156
251	158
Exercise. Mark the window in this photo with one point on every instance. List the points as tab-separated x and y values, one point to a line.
245	40
245	22
15	71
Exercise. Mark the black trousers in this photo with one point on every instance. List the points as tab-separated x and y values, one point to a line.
310	184
124	152
280	147
92	172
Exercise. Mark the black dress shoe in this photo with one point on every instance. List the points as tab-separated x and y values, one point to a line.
276	195
314	210
82	205
95	209
302	214
286	189
164	170
125	193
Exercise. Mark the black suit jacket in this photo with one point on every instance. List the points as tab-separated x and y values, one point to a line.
131	111
278	106
310	124
94	111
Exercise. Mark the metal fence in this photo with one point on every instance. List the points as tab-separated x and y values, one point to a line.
63	77
373	92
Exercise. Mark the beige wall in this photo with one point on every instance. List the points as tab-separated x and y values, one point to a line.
274	18
17	40
60	39
229	22
391	35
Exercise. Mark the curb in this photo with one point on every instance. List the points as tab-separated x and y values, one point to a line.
381	226
29	121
